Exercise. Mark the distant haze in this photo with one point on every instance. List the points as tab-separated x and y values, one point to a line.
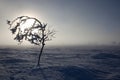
77	22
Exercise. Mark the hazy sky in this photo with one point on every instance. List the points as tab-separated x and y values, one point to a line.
76	21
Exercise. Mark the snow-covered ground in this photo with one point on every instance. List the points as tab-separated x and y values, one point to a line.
60	63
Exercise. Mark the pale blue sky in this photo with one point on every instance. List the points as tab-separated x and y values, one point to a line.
77	22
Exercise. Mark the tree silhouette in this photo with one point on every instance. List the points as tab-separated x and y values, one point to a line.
32	30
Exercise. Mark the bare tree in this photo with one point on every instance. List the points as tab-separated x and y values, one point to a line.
32	30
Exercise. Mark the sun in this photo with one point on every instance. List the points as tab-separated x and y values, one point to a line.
27	24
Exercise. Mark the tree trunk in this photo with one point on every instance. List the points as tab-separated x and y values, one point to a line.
41	51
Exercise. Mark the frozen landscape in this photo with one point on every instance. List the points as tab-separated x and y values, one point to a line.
60	63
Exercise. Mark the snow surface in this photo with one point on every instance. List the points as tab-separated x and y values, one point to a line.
60	63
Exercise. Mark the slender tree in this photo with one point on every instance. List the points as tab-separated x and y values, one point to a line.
32	30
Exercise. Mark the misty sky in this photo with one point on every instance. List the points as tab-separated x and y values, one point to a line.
77	22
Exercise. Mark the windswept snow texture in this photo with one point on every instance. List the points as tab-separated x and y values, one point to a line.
62	63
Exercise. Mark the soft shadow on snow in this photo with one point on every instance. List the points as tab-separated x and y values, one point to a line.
55	73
